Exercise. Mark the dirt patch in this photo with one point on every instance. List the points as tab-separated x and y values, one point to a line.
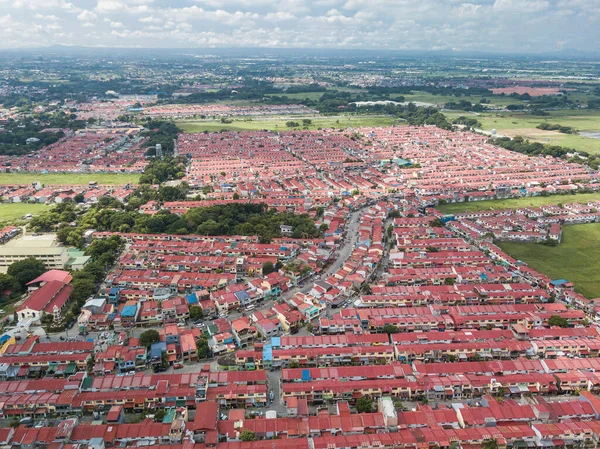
533	91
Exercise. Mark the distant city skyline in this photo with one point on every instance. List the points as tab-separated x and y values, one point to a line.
502	26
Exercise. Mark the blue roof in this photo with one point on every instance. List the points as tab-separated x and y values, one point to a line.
276	342
192	299
157	349
4	338
242	295
268	353
305	375
559	282
129	310
114	291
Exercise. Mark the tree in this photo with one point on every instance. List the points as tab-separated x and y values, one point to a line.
196	312
437	223
306	122
267	268
147	338
159	415
83	288
390	329
247	435
202	346
164	360
449	281
26	270
236	196
556	320
364	404
294	364
8	285
490	443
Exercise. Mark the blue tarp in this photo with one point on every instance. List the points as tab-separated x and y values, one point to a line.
305	375
268	353
129	311
192	299
276	342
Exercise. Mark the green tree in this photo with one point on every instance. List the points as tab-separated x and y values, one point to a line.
247	435
8	285
159	415
203	349
364	404
83	288
26	270
556	320
268	268
437	223
490	443
164	360
390	329
147	338
196	312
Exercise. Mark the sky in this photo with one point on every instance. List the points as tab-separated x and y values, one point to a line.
495	26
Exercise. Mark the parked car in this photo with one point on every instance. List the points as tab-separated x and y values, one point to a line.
178	366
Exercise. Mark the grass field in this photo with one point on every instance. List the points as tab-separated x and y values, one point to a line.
513	124
533	201
576	258
440	100
278	124
68	178
14	211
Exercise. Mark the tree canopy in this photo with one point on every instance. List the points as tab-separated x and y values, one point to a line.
149	337
26	270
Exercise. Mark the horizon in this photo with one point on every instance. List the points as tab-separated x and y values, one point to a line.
470	26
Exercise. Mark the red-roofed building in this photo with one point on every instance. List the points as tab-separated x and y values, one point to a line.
49	299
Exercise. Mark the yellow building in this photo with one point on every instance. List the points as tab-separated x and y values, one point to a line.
45	248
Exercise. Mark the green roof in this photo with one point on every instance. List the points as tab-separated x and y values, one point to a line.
71	368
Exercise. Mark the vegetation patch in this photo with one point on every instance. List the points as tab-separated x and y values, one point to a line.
576	258
515	203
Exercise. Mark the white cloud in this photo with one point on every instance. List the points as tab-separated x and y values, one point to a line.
489	25
86	16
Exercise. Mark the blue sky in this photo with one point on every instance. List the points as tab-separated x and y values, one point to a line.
523	26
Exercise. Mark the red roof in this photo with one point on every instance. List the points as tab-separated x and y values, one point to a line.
46	297
206	416
53	275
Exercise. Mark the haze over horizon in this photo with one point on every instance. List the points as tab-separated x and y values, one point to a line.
493	26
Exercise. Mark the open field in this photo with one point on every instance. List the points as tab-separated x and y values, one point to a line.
278	123
68	178
530	201
519	124
13	211
576	258
440	100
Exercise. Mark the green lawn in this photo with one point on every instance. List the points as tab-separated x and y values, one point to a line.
14	211
278	124
299	96
576	258
517	123
440	100
68	178
515	203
